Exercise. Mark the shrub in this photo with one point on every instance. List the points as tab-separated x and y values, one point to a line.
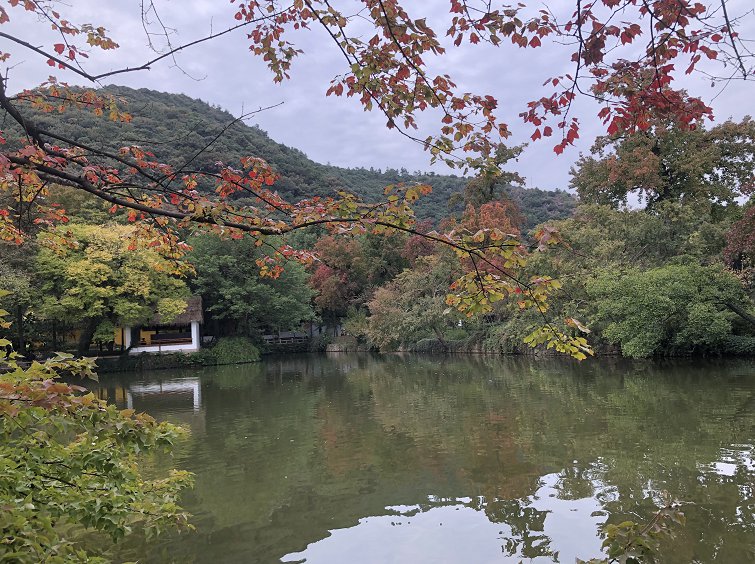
675	309
740	345
230	350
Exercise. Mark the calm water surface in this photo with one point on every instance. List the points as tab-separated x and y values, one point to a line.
366	459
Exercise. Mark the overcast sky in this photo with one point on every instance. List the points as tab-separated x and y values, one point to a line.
332	130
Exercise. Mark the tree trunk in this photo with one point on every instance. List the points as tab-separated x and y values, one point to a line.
441	340
741	312
20	330
87	332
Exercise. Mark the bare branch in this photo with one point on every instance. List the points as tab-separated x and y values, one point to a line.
733	40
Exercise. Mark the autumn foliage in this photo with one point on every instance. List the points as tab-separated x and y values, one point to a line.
626	55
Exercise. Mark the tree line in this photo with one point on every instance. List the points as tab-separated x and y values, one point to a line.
671	274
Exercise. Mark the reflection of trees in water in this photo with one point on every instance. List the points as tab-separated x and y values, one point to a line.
527	538
296	446
653	428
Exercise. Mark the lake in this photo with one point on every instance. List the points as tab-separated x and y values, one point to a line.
413	459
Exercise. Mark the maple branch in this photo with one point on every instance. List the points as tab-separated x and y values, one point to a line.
575	83
654	50
76	181
95	151
373	97
56	26
29	128
51	57
144	66
241	187
145	22
409	61
338	23
733	40
172	52
72	485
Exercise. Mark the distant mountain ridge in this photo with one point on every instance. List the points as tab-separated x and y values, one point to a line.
176	127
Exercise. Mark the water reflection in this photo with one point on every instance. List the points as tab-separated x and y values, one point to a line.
407	459
164	392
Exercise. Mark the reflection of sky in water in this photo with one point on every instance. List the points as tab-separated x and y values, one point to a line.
294	458
739	456
455	532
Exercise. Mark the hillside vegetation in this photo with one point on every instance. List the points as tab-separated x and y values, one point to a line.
178	128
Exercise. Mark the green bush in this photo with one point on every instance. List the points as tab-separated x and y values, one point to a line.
455	334
503	339
147	361
740	345
469	344
428	346
319	343
229	350
675	309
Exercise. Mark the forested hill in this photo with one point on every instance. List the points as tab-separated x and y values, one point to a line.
177	127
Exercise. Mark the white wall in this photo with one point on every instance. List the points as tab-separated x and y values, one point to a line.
188	347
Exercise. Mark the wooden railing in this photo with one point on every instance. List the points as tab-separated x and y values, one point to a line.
275	340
